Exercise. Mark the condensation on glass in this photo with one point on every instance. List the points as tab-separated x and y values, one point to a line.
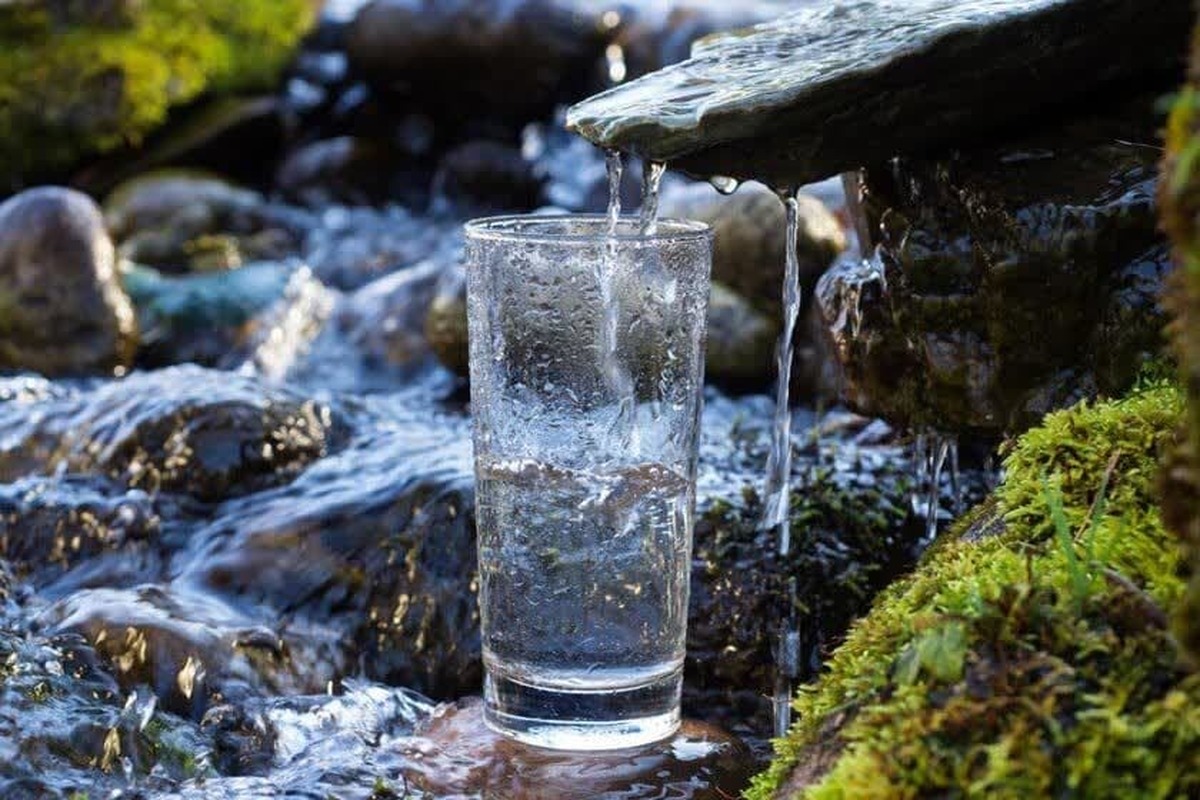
587	358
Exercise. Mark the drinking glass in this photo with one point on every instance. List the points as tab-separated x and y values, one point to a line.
587	361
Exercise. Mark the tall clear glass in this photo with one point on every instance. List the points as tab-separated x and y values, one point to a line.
587	363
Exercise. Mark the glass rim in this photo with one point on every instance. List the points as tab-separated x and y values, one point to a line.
528	228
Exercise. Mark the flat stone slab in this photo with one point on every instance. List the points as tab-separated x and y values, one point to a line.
823	90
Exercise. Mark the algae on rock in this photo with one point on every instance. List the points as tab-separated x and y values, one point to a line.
75	83
1029	653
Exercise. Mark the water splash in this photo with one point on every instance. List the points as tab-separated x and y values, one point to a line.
652	174
777	494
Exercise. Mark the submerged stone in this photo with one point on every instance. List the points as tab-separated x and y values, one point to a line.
207	434
62	309
1011	279
826	89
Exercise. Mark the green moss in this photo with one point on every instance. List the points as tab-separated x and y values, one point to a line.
989	672
69	88
1179	196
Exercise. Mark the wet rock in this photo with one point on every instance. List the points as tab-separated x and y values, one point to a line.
199	319
86	78
376	544
194	221
460	756
446	322
748	238
237	136
62	310
740	346
51	525
1013	278
503	59
483	176
824	90
189	649
206	434
350	170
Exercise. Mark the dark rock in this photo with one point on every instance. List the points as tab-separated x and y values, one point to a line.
375	543
1012	279
825	90
740	344
749	230
62	310
206	434
188	648
182	221
501	59
237	136
350	170
483	176
50	525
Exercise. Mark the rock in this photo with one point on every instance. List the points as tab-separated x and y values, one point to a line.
183	220
381	550
237	136
740	349
79	85
826	89
350	170
1180	199
64	723
51	525
1013	278
462	757
206	434
501	59
446	323
1013	621
749	228
62	310
482	176
188	648
198	319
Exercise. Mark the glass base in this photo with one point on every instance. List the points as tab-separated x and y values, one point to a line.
573	719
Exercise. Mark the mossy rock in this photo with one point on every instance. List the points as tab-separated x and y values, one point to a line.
1029	654
76	82
1179	197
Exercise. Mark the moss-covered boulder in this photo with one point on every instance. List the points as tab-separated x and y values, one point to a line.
1029	654
82	78
1179	196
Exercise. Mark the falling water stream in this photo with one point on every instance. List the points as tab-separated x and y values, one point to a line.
777	495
